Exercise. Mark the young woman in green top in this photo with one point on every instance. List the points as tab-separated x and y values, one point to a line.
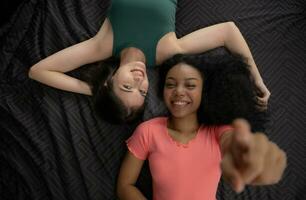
135	34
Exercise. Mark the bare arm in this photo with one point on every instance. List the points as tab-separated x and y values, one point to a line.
250	158
51	70
225	34
128	175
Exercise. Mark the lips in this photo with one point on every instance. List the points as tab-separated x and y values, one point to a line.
138	72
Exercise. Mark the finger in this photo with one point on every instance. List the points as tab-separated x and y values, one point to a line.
261	100
255	158
241	149
230	173
261	107
241	137
241	125
267	95
248	151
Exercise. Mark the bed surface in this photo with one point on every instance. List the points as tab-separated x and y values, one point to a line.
52	146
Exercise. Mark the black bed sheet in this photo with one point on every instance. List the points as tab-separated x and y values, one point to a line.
54	147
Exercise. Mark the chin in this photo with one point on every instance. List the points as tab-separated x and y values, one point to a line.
179	114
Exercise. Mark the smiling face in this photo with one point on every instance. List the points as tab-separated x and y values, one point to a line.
130	84
183	90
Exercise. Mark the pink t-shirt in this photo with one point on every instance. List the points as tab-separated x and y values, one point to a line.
179	171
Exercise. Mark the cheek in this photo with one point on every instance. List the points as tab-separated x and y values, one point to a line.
126	76
167	95
197	98
146	84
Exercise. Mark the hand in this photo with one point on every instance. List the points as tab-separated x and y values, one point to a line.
263	95
251	158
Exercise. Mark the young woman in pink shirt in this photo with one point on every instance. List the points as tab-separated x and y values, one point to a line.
185	150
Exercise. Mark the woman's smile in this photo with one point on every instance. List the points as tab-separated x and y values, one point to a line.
180	103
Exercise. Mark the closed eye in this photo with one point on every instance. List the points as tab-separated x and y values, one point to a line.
190	86
127	87
169	85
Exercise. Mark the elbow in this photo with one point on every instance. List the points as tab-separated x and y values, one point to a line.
120	191
230	26
123	190
32	72
230	30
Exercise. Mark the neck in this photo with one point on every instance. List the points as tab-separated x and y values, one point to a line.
185	125
131	54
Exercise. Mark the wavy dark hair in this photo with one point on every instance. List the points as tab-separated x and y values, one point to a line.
105	102
228	90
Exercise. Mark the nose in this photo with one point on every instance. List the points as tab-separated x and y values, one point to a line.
179	91
139	82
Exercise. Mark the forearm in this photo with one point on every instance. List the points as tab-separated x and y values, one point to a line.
61	81
224	34
130	192
50	70
235	42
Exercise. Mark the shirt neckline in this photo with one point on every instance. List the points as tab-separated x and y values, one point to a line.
178	143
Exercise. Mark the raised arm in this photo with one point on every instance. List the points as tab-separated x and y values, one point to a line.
250	158
128	175
228	35
51	70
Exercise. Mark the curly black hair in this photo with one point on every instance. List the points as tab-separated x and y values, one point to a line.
228	92
105	102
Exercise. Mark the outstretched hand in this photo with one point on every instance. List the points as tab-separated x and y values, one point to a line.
251	158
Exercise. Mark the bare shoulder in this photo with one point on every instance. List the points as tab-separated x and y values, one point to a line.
105	29
167	47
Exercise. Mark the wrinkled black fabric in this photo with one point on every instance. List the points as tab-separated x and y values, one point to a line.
54	147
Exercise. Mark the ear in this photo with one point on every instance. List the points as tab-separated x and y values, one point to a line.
105	84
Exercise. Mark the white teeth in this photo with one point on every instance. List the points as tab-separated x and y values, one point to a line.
138	71
179	103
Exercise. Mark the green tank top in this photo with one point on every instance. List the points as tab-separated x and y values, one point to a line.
141	24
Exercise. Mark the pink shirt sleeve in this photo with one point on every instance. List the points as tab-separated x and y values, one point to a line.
138	143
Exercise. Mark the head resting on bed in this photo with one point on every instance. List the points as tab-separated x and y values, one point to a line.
107	104
228	89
